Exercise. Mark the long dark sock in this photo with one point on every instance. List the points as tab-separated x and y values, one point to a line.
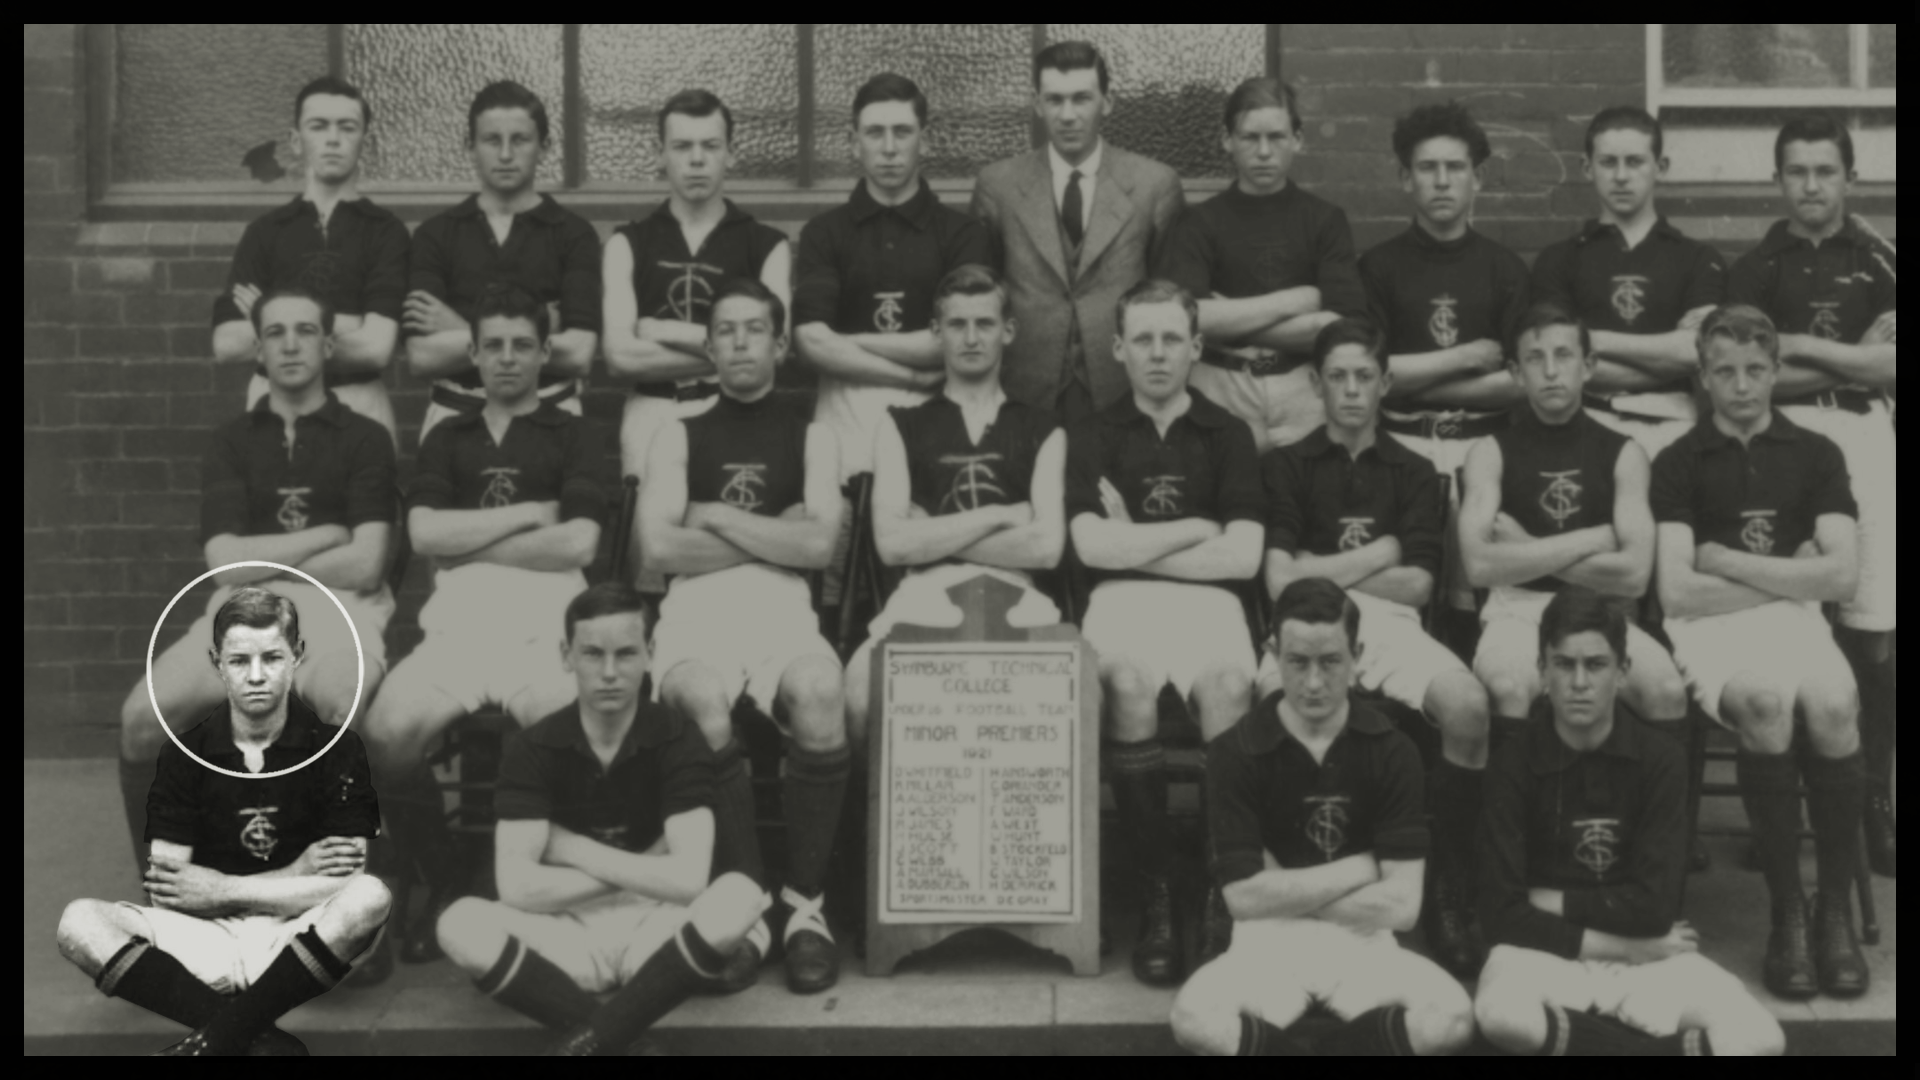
1504	729
418	820
136	779
1378	1032
813	791
1875	679
678	968
1139	777
1261	1039
736	845
158	983
304	970
1680	731
1581	1034
1836	796
530	983
1453	798
1769	787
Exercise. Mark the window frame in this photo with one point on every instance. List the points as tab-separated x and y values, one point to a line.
1859	95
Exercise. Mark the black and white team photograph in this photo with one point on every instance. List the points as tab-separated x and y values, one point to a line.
1300	539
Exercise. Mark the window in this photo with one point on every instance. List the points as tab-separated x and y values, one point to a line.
1725	88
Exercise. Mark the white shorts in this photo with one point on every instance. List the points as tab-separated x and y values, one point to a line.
641	420
1449	458
227	953
922	600
1171	630
1397	658
494	631
1783	645
601	943
1510	640
1280	409
321	626
1276	968
853	413
437	412
1658	998
1652	435
747	624
1867	440
369	399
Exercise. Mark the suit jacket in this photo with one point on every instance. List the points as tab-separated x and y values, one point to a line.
1135	201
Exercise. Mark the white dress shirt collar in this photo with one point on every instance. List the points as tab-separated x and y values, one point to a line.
1089	170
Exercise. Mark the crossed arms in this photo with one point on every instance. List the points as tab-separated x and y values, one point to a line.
173	881
1711	579
1358	891
681	538
542	866
1614	559
1188	549
1020	536
654	349
1814	363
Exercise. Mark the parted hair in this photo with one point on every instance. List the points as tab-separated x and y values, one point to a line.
1319	601
888	86
336	86
1545	314
507	94
970	279
251	605
609	598
1578	609
755	289
1350	330
1627	118
1262	93
292	292
510	302
695	103
1156	291
1742	323
1071	56
1449	120
1814	127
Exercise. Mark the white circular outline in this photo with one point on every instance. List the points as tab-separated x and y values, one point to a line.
359	651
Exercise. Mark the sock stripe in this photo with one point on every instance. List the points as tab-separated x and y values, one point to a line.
699	955
1394	1021
1694	1043
818	766
1559	1031
1134	758
1250	1036
109	978
314	955
501	974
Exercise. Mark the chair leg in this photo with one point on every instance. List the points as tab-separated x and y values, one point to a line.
1863	885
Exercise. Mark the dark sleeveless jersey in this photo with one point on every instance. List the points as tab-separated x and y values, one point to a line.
750	455
1557	479
670	282
948	473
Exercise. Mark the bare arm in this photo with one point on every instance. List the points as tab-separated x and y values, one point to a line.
569	545
1491	562
668	545
1295	334
362	343
356	566
1668	356
573	351
1685	592
1106	544
833	354
1614	377
440	354
676	874
637	348
459	532
234	342
1392	903
174	883
1037	544
1493	391
1418	372
1231	322
1867	364
1343	568
1409	585
1298	893
1234	555
905	539
800	541
1798	380
287	549
916	349
528	883
1624	572
1829	574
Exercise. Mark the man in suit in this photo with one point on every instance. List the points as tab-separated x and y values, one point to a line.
1074	226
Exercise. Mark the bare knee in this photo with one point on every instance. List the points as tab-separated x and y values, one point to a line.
1205	1026
1510	693
1661	692
1508	1007
1441	1027
813	692
470	934
1749	1031
359	910
1221	696
1459	704
727	909
330	689
89	934
697	692
141	735
1761	714
1132	701
1832	712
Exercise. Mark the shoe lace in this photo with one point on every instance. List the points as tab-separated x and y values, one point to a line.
808	913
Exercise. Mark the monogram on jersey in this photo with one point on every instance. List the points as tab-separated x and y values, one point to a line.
500	487
293	508
1596	844
1326	824
1355	533
1757	533
316	275
691	294
1629	296
1826	320
257	832
1444	325
746	485
974	483
886	315
1560	498
1164	498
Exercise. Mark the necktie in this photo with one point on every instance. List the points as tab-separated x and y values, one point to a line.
1070	209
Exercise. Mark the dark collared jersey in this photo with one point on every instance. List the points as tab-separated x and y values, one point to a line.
1606	827
949	473
1241	245
1834	291
551	252
1430	294
1557	478
240	826
1205	467
1266	793
1322	501
750	455
357	261
340	471
547	455
1763	498
864	268
670	282
1646	290
549	773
